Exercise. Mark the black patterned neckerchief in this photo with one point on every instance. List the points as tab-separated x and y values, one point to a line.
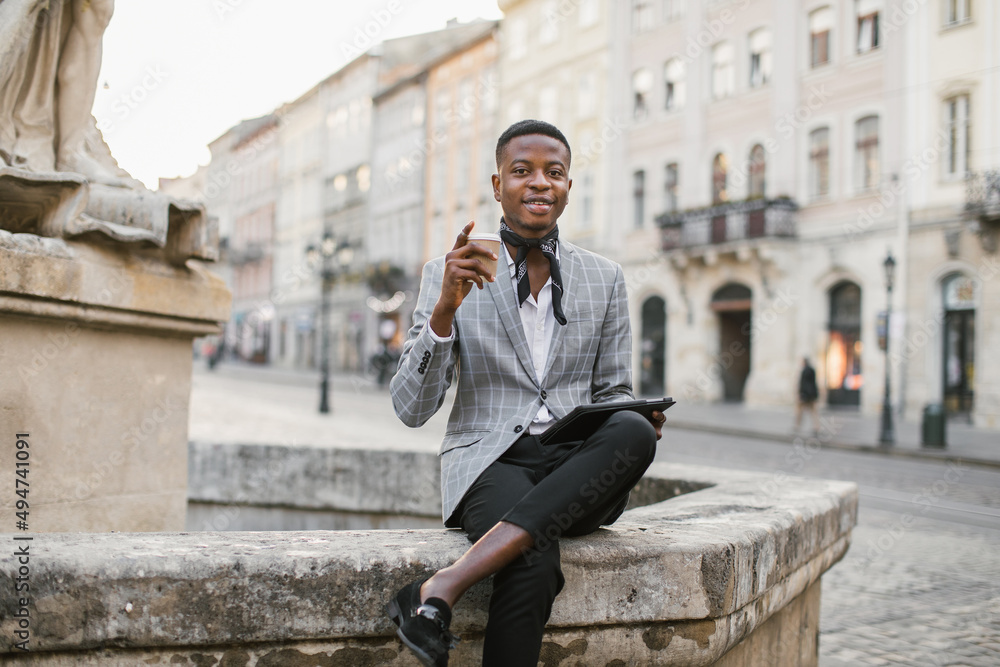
547	244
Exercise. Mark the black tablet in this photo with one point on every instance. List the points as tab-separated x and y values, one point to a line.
583	420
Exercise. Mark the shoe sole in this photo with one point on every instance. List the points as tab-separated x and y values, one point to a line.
396	615
424	657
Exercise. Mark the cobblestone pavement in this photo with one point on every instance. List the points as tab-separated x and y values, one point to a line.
920	584
931	596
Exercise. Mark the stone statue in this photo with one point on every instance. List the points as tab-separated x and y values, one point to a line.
57	175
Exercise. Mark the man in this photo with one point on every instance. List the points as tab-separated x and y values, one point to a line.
548	333
808	393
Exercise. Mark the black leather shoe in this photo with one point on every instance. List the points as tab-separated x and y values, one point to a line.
423	627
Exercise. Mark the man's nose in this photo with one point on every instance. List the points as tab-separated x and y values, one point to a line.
539	179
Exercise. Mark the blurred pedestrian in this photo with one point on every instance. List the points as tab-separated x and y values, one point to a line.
808	393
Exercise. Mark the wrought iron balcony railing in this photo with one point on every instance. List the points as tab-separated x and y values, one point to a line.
728	222
245	254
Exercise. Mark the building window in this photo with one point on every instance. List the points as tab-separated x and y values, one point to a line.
589	11
518	38
720	170
586	102
819	163
548	30
956	119
673	10
642	16
587	202
758	170
515	111
868	24
723	70
760	57
670	185
820	29
642	85
956	11
639	198
866	153
548	105
673	84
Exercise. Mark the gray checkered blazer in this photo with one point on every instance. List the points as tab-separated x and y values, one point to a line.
590	361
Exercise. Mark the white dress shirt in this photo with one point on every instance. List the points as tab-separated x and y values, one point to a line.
539	323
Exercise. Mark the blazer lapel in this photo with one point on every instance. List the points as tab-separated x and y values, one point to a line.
567	269
503	295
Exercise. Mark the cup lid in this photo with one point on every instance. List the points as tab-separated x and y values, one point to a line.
484	236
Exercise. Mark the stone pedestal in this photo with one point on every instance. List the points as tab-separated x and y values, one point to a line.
95	366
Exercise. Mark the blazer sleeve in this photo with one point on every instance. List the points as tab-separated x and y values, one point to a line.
613	366
427	365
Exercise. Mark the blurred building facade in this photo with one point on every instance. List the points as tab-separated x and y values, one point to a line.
750	163
559	62
775	158
463	92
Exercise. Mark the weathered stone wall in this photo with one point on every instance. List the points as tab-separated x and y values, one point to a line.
678	582
95	349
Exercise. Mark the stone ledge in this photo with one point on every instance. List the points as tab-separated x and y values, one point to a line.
104	287
714	563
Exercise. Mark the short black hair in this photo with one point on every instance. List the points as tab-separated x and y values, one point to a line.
530	126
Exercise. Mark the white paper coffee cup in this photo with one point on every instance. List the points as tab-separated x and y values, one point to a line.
490	242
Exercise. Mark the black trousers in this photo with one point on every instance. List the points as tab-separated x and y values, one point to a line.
567	488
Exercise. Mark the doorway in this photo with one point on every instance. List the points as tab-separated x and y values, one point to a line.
652	365
959	371
843	352
732	303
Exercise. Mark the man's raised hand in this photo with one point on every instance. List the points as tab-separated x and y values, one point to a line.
462	269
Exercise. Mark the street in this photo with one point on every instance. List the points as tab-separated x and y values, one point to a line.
920	585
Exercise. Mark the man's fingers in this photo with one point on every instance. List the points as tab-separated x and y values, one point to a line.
469	264
463	236
467	270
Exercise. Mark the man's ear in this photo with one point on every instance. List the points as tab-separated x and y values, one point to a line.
496	186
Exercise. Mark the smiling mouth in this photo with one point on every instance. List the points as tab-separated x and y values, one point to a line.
538	206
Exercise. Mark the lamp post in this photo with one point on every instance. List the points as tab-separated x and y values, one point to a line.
334	256
888	435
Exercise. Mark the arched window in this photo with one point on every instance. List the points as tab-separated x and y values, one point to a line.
757	168
720	171
843	354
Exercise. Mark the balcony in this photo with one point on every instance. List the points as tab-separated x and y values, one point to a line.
245	254
728	222
982	206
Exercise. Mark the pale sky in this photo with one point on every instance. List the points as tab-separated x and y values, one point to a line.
179	74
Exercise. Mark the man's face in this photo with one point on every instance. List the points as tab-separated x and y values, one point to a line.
533	184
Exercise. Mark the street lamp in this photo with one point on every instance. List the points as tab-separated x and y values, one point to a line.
888	435
334	256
